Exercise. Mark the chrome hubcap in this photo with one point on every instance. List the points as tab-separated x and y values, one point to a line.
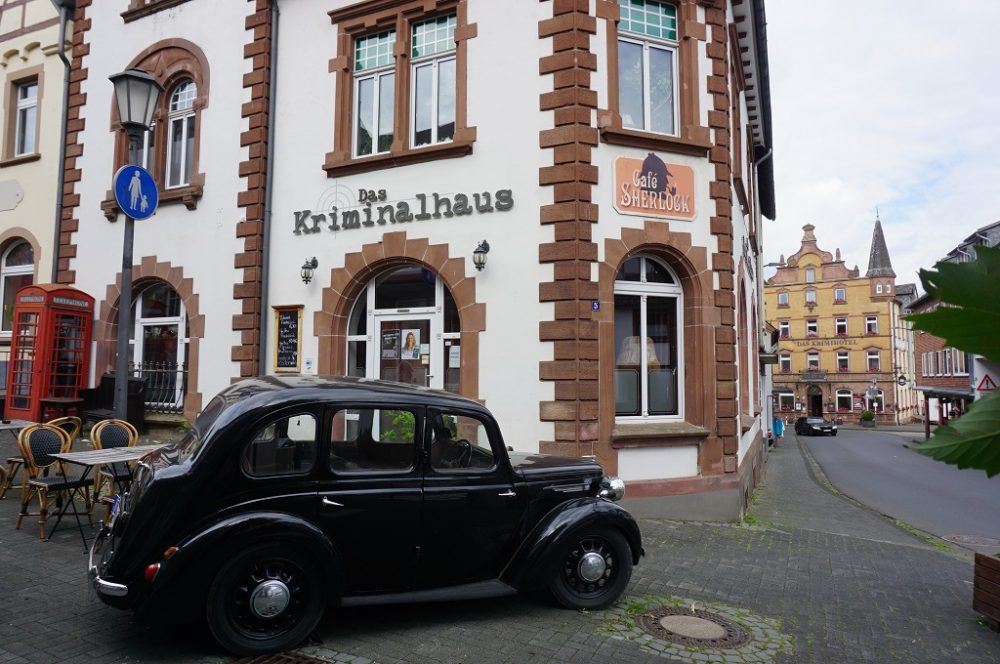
591	567
270	599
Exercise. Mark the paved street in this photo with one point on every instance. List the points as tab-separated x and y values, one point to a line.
874	467
816	578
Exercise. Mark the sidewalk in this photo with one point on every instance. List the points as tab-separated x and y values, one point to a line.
817	579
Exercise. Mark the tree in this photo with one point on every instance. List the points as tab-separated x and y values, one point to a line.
969	320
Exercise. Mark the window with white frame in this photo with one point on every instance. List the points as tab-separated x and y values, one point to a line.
843	360
948	354
812	360
888	288
784	327
810	275
840	326
786	402
26	118
812	327
878	288
874	360
649	364
647	65
181	134
839	295
783	299
960	365
937	363
432	115
845	402
17	270
871	324
374	93
810	297
159	346
785	363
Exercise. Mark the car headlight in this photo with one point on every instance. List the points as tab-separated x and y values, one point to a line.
612	488
815	428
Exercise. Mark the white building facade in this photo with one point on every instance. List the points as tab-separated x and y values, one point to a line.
614	157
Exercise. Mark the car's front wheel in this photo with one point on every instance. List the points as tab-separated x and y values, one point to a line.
595	570
266	599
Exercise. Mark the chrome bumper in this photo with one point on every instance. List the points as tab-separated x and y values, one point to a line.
100	585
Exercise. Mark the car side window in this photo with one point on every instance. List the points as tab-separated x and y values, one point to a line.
460	442
373	439
283	447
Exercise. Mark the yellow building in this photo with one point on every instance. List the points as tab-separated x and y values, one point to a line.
837	354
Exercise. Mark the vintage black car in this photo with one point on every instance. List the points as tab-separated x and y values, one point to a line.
290	494
815	426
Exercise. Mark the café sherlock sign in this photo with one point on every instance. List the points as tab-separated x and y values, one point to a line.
374	209
651	188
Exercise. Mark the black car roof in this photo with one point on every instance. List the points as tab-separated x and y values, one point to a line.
273	390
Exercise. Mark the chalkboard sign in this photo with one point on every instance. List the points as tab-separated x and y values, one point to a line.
287	338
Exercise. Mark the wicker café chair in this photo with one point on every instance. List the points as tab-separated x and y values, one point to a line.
71	425
107	434
38	443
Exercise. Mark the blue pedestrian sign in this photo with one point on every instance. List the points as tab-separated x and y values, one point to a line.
136	192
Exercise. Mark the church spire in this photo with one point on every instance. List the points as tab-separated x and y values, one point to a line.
879	264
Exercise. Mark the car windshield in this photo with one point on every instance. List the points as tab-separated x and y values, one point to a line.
816	420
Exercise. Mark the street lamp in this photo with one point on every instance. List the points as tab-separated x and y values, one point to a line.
137	93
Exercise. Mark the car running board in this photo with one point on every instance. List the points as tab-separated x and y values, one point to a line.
478	590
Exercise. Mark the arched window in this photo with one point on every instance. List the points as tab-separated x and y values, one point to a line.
648	343
17	270
159	338
181	134
405	327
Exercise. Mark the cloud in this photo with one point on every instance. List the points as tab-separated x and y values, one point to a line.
890	105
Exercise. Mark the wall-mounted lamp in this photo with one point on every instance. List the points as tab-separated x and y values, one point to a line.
307	269
479	255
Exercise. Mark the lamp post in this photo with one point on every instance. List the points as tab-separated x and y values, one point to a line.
137	94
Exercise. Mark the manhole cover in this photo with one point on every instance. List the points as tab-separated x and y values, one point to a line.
973	540
280	658
693	628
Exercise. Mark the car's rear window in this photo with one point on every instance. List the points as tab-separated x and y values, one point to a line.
195	437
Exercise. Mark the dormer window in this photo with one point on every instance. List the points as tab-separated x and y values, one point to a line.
810	275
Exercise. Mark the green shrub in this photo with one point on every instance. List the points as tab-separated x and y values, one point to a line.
867	415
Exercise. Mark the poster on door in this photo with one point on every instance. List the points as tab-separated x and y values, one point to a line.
390	344
411	344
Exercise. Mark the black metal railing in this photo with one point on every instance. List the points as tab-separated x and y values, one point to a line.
165	385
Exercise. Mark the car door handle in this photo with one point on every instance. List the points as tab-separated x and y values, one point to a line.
507	494
331	503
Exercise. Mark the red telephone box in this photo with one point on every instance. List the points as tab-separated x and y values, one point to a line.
50	347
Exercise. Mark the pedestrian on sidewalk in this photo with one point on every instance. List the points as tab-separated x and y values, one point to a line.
778	427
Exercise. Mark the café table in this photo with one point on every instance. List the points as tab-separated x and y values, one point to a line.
90	459
9	431
60	404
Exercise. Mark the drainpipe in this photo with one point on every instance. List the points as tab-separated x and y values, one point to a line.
64	7
761	320
265	253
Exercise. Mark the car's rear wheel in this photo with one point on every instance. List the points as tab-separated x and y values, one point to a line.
595	570
266	599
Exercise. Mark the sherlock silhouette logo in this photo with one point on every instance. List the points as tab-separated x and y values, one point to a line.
651	188
374	209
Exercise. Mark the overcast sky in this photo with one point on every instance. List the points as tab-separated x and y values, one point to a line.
888	104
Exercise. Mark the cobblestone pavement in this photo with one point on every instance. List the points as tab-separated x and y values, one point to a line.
812	575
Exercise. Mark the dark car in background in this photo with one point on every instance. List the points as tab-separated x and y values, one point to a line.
290	494
815	426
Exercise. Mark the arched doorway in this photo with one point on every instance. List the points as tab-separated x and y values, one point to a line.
814	400
405	327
